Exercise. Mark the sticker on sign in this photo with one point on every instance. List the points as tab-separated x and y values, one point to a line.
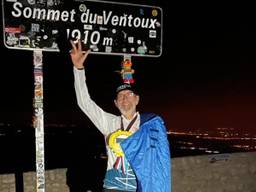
111	28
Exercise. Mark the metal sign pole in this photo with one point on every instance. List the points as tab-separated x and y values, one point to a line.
39	120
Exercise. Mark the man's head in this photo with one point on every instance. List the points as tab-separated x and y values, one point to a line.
126	99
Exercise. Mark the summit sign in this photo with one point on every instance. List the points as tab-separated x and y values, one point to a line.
103	27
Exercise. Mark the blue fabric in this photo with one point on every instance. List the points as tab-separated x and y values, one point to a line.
144	117
148	153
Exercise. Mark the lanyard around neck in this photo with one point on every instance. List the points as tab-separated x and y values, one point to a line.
130	124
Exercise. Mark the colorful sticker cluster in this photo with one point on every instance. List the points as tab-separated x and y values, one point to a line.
39	121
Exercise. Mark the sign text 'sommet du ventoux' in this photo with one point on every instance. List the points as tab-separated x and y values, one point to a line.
104	27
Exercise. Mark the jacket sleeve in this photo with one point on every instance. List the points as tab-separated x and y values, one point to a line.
102	120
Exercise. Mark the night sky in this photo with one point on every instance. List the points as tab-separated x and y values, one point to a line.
205	77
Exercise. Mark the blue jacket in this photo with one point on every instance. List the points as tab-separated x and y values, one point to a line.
148	153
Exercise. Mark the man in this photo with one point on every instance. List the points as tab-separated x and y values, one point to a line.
136	143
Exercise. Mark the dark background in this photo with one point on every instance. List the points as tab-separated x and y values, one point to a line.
203	79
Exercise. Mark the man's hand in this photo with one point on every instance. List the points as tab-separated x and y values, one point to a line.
78	56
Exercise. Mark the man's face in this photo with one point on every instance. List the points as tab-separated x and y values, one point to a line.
126	101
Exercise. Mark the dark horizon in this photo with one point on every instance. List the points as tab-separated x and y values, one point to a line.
205	77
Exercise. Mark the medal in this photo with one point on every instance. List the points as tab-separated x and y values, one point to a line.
114	145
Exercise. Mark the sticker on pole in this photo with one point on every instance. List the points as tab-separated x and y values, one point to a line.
104	27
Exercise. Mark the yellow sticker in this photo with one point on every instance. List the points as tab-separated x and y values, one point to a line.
154	12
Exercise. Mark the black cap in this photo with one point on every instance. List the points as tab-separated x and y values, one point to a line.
126	86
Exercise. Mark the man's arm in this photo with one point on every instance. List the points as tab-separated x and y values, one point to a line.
100	118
